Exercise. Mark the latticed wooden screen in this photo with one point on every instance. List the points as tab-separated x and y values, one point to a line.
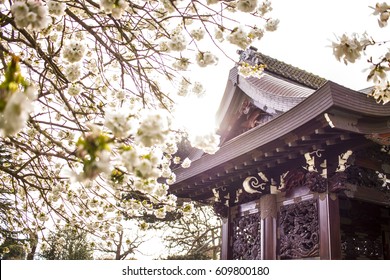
299	230
364	229
247	237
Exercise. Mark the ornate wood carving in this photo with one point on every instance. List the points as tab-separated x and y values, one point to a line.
227	195
337	182
355	247
221	210
361	229
300	177
299	230
252	188
367	178
377	157
247	117
251	116
315	182
247	237
294	178
257	184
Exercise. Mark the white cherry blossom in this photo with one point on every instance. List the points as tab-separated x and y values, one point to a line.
30	14
114	7
206	58
108	74
16	111
246	6
74	51
56	9
154	128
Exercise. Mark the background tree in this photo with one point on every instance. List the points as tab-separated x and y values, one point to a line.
120	247
18	245
194	237
67	244
12	249
15	244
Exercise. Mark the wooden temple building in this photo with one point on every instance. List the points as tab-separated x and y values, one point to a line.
303	170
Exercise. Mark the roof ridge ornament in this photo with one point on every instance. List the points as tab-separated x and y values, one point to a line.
249	56
250	63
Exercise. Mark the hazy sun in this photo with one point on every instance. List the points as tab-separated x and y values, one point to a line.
196	115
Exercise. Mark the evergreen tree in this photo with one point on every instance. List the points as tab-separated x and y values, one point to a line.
67	244
12	249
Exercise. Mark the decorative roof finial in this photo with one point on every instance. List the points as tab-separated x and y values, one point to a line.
249	56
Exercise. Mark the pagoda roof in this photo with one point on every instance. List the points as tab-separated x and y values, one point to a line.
270	92
280	88
332	117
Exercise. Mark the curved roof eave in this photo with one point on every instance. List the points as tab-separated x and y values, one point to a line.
331	98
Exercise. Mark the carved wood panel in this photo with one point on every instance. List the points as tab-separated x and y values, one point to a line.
362	226
369	178
247	237
299	230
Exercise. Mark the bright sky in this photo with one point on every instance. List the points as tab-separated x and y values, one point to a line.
306	30
303	38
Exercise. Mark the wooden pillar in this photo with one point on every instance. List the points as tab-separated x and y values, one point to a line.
334	222
329	222
329	212
268	213
269	243
226	251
